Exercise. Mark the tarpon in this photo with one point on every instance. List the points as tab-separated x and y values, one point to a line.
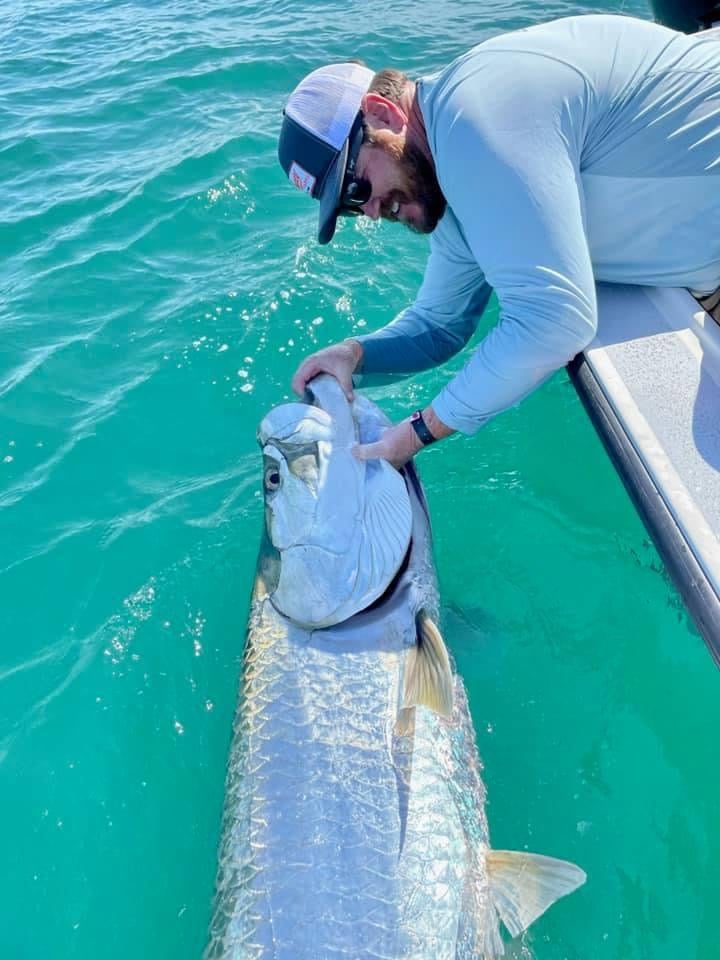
355	823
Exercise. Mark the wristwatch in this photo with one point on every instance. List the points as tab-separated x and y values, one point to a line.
421	429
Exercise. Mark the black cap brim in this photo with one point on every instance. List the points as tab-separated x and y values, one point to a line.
330	196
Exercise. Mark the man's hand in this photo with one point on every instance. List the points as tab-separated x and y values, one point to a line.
397	445
400	443
339	359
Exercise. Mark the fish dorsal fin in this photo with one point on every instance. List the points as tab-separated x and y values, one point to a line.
524	885
428	675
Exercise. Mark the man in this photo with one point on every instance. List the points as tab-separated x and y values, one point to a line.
540	162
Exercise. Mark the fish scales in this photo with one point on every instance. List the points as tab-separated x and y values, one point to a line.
314	769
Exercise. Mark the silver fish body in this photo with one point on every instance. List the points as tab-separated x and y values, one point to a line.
354	824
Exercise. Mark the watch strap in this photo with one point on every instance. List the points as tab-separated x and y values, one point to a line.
421	429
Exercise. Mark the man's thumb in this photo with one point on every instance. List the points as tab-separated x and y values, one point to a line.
347	385
366	451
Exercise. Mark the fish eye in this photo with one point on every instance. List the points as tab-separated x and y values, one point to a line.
272	479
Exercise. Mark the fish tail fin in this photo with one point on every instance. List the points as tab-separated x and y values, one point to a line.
524	885
428	675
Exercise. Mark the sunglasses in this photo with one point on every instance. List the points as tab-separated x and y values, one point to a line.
356	191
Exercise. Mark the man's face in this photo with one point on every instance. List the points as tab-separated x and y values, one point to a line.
404	186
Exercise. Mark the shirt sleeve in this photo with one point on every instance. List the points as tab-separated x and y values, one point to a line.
445	314
509	167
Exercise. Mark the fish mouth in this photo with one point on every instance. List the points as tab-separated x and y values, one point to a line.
342	531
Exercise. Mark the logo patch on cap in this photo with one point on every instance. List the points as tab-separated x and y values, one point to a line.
301	178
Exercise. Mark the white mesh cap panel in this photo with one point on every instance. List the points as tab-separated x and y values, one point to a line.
326	102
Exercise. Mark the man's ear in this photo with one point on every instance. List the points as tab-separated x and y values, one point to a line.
383	113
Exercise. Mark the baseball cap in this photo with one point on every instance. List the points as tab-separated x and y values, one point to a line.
317	122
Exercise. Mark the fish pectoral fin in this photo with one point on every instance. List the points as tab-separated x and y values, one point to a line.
428	675
260	590
524	885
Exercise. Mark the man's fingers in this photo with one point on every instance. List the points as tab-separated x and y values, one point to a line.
368	451
347	385
297	385
311	368
339	360
337	369
306	371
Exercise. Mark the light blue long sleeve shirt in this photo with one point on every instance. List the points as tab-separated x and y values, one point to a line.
580	150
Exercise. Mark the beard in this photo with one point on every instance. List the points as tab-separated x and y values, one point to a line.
418	182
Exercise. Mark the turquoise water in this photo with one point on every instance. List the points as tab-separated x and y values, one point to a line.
159	283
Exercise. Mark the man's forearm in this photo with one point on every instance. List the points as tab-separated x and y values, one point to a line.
435	425
413	342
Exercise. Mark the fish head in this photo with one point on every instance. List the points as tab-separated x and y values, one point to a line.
340	526
296	441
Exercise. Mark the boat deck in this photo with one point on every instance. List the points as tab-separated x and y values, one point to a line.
651	383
